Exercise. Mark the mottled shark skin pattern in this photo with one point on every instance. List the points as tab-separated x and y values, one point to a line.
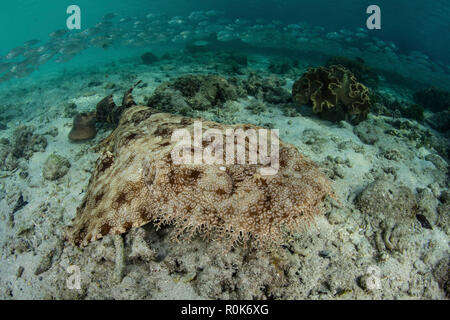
136	182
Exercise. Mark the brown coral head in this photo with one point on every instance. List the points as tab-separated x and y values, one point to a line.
333	93
198	92
83	127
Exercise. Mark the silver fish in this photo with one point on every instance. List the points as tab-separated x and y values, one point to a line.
45	57
58	33
16	52
101	42
21	70
31	43
125	20
72	48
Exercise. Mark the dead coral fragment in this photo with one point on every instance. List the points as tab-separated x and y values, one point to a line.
55	167
269	89
334	93
83	127
391	210
383	198
136	182
24	143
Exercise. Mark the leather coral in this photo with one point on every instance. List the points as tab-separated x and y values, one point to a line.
334	93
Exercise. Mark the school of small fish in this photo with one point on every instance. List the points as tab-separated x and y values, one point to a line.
198	28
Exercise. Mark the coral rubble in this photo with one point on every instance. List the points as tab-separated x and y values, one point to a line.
268	89
334	93
55	167
382	198
391	211
24	143
441	273
197	92
136	182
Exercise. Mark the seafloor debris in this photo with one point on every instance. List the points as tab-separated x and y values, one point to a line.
424	221
382	198
198	92
128	100
392	210
441	273
119	269
334	93
83	127
443	212
19	204
136	182
268	89
24	143
55	167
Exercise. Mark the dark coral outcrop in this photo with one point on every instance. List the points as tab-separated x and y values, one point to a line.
24	143
197	92
270	89
433	98
357	66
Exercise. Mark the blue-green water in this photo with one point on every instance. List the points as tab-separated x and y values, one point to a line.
417	24
407	26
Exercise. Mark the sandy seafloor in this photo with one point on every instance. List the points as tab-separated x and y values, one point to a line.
328	259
